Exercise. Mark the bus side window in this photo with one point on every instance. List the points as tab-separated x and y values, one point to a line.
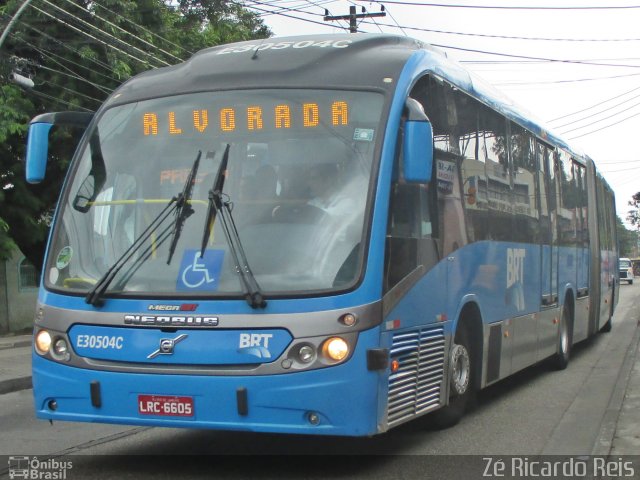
409	243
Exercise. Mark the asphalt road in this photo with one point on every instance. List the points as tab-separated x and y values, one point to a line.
536	412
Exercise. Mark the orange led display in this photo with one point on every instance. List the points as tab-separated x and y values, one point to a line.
258	118
227	119
200	120
150	124
173	130
283	116
310	115
254	118
339	113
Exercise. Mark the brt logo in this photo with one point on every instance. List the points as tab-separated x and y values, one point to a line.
515	266
256	344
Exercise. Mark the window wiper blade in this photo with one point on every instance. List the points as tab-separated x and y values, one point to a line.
214	204
218	205
183	207
253	295
94	296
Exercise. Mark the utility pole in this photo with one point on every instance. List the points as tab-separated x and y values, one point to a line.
353	16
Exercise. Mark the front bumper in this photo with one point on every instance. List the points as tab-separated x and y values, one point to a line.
343	397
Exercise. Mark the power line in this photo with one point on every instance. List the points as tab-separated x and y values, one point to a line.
144	62
595	105
620	170
291	16
510	37
83	22
556	82
600	120
353	17
62	102
75	92
76	51
605	127
126	32
598	113
502	7
555	60
372	17
50	55
619	162
300	8
143	28
402	29
73	75
283	9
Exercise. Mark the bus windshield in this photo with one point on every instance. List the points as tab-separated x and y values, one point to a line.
296	180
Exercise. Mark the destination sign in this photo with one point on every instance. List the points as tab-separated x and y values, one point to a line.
247	118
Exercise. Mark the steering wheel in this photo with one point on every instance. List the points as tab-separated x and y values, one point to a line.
300	213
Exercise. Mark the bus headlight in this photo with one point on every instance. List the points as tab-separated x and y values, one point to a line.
43	342
60	350
306	354
335	348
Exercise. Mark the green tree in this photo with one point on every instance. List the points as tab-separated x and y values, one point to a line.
634	215
76	53
627	240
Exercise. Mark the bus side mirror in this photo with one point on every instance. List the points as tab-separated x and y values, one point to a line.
418	144
38	139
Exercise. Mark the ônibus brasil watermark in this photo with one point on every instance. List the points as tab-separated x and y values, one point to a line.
32	468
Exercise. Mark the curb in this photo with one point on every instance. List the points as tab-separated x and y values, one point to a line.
16	344
609	424
15	384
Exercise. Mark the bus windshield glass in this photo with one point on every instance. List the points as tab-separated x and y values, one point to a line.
295	181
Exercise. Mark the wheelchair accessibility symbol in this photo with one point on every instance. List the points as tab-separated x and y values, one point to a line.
200	273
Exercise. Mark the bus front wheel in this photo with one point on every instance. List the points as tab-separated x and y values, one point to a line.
461	382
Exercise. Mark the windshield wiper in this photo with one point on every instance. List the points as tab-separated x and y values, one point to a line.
94	296
183	208
217	204
215	195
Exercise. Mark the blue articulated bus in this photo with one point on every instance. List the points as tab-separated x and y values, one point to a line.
317	235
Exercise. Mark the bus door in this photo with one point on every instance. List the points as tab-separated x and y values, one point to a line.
581	314
547	330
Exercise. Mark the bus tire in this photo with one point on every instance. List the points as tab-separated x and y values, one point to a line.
461	383
606	328
563	354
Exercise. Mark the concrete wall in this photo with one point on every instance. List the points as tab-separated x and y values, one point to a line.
18	303
4	301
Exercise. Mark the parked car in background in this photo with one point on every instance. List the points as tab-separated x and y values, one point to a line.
626	270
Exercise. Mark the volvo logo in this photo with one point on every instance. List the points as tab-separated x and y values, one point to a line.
167	346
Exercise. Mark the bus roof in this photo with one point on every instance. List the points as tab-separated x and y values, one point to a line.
344	61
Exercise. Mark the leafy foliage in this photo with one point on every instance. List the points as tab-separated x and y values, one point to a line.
634	215
627	240
76	54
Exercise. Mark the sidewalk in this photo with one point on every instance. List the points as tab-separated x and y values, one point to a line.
15	363
626	439
620	434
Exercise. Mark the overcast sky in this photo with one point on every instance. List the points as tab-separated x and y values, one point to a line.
606	94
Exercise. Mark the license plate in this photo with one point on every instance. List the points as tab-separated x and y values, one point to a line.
165	405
